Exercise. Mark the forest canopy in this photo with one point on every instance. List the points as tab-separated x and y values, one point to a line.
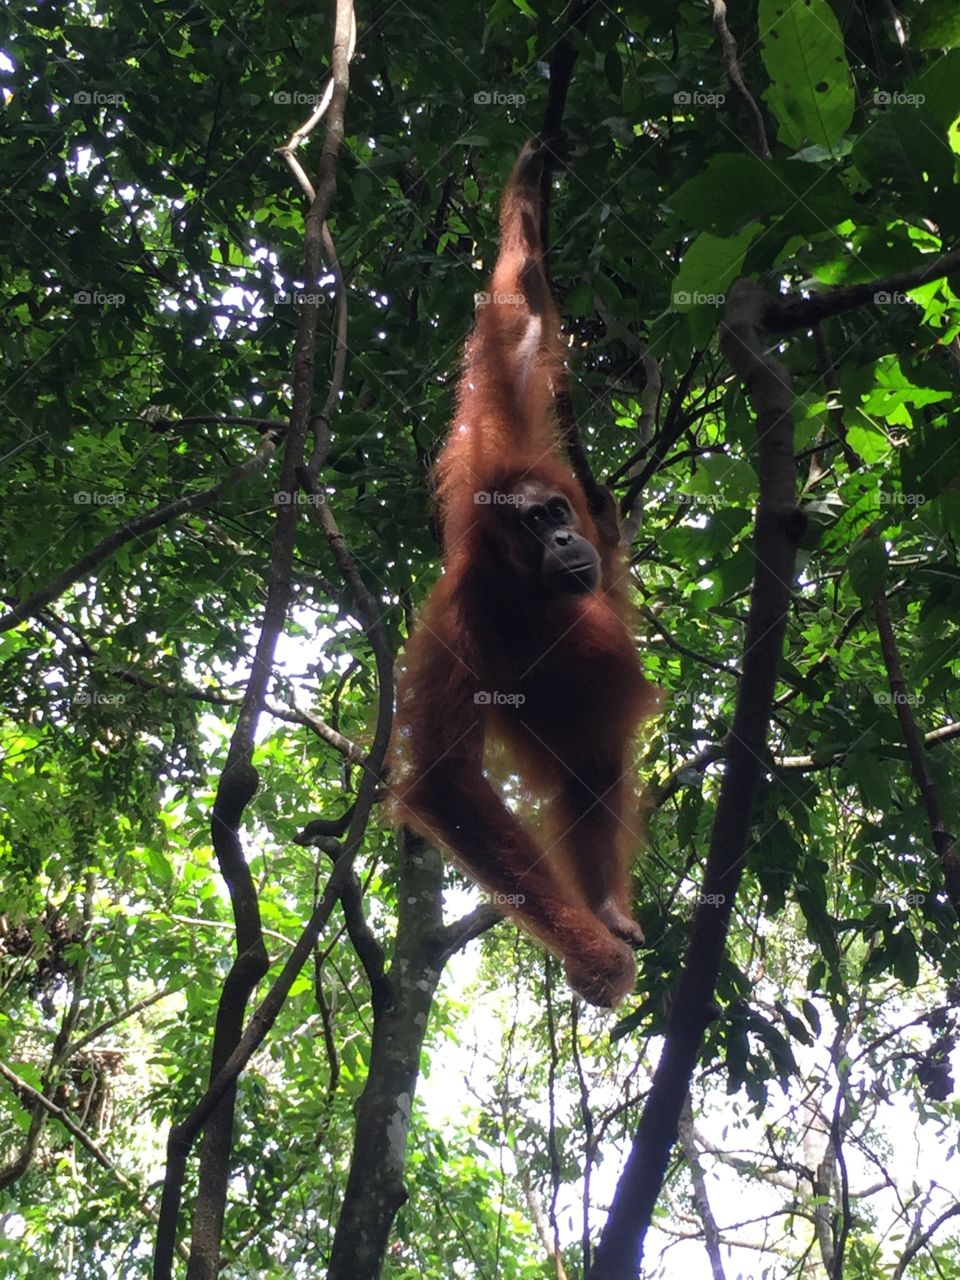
246	1026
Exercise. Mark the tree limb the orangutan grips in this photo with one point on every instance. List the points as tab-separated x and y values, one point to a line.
525	640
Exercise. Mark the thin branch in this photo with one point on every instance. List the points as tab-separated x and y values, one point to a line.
900	33
326	99
239	779
649	616
831	382
368	609
946	733
256	1030
106	1026
649	399
711	1233
59	1052
365	942
540	1222
681	776
198	922
562	63
589	1136
686	772
321	423
455	936
778	1174
213	697
728	46
796	311
40	1100
675	424
214	420
837	1131
326	1023
943	841
914	1247
553	1149
333	737
138	528
320	830
302	133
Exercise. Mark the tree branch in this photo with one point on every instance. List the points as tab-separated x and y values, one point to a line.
921	1242
365	941
943	841
796	311
711	1233
758	143
455	936
777	531
40	1100
109	1023
239	779
138	528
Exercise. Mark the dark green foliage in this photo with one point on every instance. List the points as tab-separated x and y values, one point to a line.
151	237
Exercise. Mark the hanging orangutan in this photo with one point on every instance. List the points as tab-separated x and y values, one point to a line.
525	640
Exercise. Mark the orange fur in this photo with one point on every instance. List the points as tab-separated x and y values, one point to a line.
490	628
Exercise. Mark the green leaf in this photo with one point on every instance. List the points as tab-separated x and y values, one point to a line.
931	462
868	774
613	69
708	269
902	153
935	25
732	190
811	93
906	962
158	865
796	1027
867	566
812	1015
937	88
868	442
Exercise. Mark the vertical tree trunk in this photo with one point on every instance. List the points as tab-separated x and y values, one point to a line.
375	1187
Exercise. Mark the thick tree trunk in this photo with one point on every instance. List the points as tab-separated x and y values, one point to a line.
375	1188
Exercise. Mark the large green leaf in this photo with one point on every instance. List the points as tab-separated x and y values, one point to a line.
811	93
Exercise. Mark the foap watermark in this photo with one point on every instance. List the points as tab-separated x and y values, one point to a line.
902	499
94	98
508	899
97	298
85	699
94	498
301	297
698	98
700	499
887	699
494	98
882	98
884	299
494	698
485	299
284	498
296	98
710	899
915	898
496	498
684	298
